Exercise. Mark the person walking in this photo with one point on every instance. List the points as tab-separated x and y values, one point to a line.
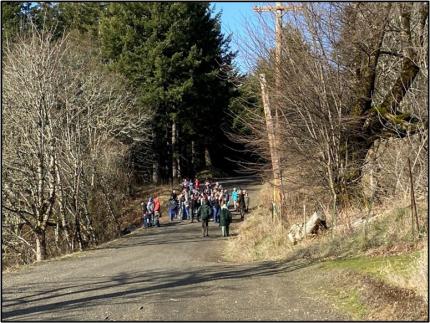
174	194
226	198
150	208
241	204
173	206
144	214
192	207
215	208
246	201
157	211
234	197
197	204
181	207
225	220
185	183
187	208
204	213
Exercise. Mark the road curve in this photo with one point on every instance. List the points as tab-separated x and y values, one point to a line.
166	273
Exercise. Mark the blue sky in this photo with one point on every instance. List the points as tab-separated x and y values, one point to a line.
236	16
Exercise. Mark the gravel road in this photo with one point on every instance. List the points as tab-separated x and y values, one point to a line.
166	273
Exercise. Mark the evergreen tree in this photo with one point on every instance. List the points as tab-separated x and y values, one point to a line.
172	53
11	17
82	16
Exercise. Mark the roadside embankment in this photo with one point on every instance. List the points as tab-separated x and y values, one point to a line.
377	270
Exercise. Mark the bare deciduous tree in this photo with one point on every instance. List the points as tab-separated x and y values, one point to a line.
64	121
349	73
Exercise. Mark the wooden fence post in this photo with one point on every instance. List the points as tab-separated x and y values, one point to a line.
414	213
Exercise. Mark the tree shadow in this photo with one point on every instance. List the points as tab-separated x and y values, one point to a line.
126	286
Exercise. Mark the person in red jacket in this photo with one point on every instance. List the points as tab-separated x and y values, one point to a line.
157	209
197	184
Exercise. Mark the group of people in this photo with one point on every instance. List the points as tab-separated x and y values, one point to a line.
151	212
201	203
208	201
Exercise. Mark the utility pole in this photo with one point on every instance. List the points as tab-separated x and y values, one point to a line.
278	191
274	156
279	10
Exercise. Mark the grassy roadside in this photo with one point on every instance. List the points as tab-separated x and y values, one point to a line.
380	287
376	273
372	288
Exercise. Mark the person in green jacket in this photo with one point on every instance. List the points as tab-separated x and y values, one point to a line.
225	220
205	212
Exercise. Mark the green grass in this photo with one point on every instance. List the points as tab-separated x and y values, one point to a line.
378	267
349	301
345	295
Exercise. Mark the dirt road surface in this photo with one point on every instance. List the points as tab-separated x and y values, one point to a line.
166	273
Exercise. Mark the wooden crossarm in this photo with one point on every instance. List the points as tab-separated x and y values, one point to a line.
276	8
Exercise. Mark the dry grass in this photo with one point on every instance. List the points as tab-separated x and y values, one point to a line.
260	238
387	233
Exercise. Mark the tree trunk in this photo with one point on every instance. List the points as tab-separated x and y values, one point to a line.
179	154
155	172
174	153
155	163
199	160
62	212
78	231
193	157
111	210
186	161
208	162
88	217
369	126
40	245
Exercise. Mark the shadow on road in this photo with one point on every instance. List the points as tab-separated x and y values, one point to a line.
57	299
189	232
91	292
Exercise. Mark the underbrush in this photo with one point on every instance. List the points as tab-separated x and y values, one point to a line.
129	215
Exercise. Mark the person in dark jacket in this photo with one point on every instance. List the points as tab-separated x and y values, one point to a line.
205	212
173	206
226	198
192	207
144	214
174	195
225	220
241	201
197	207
